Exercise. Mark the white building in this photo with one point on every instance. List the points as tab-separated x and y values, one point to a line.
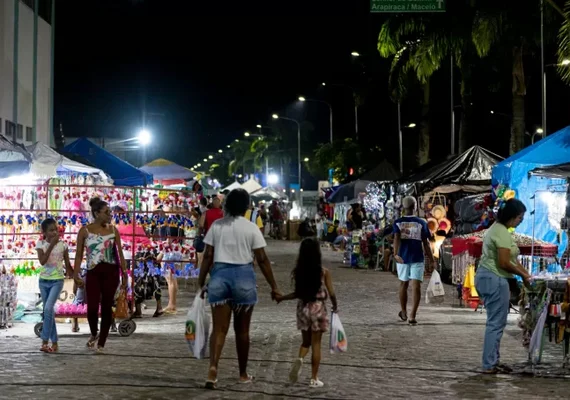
26	70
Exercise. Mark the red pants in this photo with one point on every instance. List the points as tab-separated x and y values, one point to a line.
100	286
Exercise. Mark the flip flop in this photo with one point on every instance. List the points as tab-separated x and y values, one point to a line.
503	369
413	322
249	379
403	316
91	342
211	384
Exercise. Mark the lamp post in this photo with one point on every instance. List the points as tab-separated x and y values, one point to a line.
275	116
564	63
303	99
400	140
144	137
355	103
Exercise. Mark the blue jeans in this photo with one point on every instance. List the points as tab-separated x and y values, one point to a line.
50	290
495	293
233	284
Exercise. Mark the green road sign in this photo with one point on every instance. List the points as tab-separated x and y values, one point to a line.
403	6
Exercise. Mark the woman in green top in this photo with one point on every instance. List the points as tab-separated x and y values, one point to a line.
498	263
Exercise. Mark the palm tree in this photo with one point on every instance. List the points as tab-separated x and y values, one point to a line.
420	45
510	34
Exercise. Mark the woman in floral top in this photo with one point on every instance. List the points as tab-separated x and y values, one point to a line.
102	245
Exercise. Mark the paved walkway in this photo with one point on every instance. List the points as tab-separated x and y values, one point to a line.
386	359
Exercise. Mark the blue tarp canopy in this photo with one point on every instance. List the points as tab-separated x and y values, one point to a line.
122	173
538	192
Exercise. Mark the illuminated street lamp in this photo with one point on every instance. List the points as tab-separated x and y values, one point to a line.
205	160
144	137
412	125
355	54
198	165
220	151
303	99
246	134
258	126
306	159
210	157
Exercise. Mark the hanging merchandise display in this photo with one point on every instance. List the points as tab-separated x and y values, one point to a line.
146	218
8	297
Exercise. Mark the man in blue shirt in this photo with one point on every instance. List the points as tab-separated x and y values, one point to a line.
411	241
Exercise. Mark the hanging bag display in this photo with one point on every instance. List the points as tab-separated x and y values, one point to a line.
338	344
198	327
435	293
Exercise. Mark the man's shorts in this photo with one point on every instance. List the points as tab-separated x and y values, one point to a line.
414	271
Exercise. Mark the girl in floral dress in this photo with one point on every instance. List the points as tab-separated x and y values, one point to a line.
313	284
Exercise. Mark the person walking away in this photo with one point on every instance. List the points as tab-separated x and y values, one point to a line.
320	226
53	255
228	259
313	284
276	220
497	264
410	235
101	244
170	256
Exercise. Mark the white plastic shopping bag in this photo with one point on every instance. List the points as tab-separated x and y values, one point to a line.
435	292
339	344
198	327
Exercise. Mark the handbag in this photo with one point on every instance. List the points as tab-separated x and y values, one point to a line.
199	244
122	308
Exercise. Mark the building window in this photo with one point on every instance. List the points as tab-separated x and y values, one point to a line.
20	132
29	134
10	129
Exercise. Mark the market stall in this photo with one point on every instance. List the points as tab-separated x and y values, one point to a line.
166	172
122	173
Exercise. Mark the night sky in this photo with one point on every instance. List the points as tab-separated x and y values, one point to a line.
206	75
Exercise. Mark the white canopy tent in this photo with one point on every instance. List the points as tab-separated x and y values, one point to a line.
235	185
47	162
251	186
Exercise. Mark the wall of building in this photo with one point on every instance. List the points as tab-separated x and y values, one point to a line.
20	127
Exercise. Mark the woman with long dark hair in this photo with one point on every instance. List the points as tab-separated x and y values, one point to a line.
101	243
498	263
231	243
313	284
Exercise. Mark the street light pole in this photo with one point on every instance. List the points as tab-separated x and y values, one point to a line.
400	140
542	66
303	99
275	116
355	104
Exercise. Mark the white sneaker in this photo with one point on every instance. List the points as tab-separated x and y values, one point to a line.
296	370
316	383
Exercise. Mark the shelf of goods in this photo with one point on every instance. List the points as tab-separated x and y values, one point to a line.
150	221
467	250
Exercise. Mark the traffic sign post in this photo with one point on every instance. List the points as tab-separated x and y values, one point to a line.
405	6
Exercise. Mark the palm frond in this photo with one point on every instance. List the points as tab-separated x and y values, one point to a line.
486	31
564	46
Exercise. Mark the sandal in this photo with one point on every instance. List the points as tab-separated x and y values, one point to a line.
45	348
492	371
503	369
54	348
211	384
413	322
75	329
249	379
403	316
92	340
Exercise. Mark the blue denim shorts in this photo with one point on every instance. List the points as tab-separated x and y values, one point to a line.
408	272
233	284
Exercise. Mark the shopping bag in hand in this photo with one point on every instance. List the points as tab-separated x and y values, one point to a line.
198	327
435	292
122	308
339	344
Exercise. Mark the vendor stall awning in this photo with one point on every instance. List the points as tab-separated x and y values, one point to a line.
235	185
348	192
468	170
251	186
383	172
167	172
47	162
122	173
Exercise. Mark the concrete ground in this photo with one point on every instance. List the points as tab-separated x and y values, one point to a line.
386	359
